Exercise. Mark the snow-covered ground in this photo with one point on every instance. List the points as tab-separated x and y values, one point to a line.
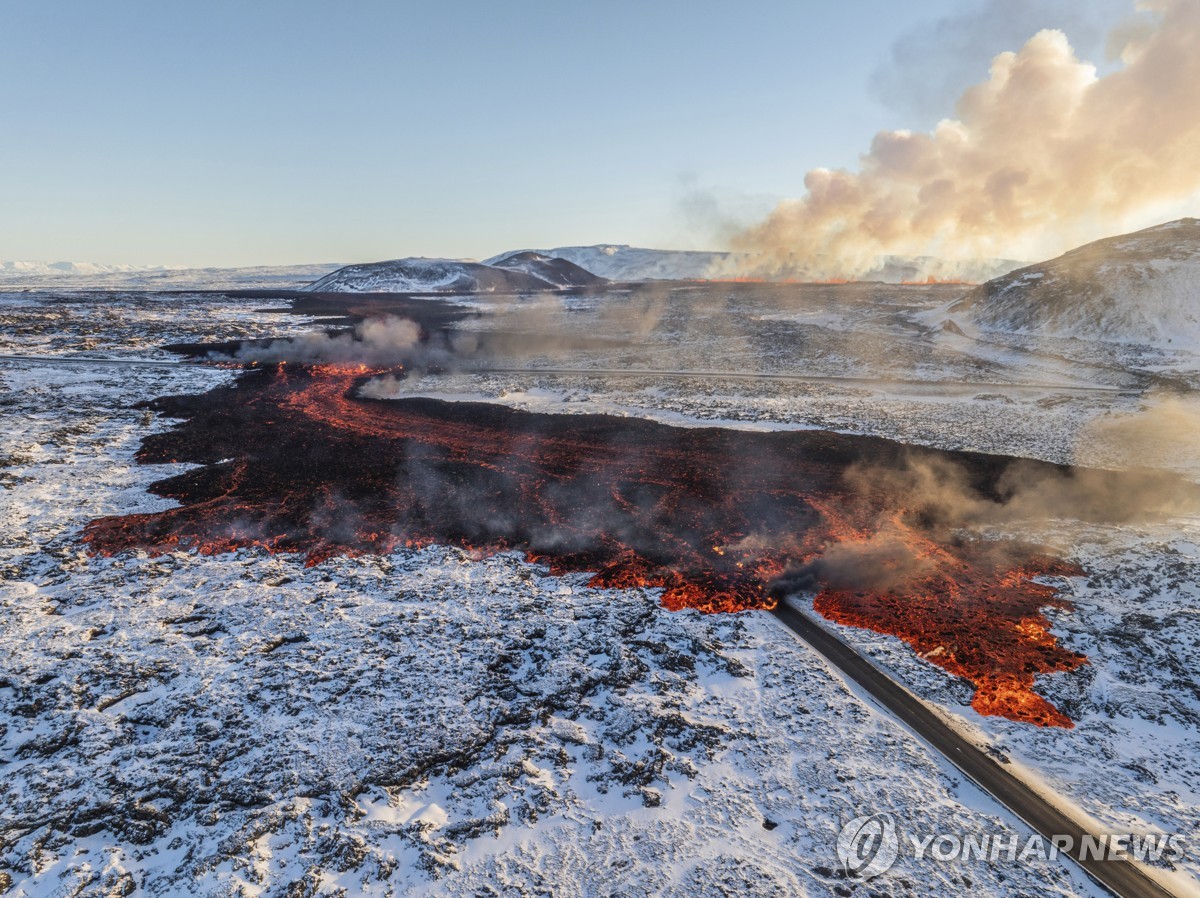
432	723
1137	704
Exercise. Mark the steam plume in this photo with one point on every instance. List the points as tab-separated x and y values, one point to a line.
942	493
1041	156
1162	434
388	340
938	496
520	331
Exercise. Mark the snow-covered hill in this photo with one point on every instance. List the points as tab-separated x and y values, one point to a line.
619	262
1137	288
526	271
558	272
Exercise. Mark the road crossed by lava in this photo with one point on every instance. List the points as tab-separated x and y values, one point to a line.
293	460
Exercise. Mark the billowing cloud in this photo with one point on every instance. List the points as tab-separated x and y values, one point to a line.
1043	155
925	72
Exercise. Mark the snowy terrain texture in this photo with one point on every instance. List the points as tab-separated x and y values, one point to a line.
515	271
432	723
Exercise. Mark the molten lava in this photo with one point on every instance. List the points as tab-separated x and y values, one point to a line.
977	616
292	460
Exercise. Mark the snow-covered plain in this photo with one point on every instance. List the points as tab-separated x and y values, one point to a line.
432	723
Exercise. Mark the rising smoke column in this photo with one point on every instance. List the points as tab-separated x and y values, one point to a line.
1040	157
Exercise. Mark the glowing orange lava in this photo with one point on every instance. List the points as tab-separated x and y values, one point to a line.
293	460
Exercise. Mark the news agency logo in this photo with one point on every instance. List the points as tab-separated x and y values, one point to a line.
868	846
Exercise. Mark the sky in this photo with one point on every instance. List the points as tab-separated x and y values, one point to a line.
233	133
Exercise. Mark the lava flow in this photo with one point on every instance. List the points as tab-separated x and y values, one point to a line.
293	460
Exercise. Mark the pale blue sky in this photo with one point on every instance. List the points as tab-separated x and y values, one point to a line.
238	133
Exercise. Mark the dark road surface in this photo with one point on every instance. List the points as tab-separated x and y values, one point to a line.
1121	877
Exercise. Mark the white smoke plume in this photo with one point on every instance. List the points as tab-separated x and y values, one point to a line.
925	72
520	331
389	340
1042	156
1162	433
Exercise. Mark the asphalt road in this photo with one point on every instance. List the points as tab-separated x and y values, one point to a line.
1123	878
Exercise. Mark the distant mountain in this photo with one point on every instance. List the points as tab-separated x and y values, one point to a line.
513	272
88	275
62	269
521	273
1137	288
618	262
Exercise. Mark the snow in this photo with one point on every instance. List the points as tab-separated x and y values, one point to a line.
67	268
617	262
